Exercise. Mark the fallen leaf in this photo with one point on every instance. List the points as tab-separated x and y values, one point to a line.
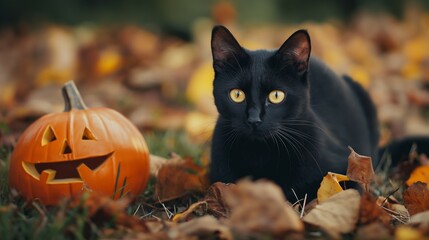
185	216
109	62
360	169
330	186
416	198
224	13
420	219
260	208
215	199
407	233
337	215
102	209
423	160
375	230
178	178
371	212
201	83
156	162
206	227
419	174
200	126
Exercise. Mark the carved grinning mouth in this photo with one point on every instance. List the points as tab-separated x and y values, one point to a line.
64	171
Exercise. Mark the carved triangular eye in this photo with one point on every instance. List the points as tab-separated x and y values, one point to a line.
88	135
48	136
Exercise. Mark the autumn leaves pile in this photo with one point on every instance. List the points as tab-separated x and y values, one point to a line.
259	209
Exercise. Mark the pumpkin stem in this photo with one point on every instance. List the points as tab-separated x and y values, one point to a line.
72	98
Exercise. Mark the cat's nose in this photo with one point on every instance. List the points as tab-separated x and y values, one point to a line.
254	122
254	118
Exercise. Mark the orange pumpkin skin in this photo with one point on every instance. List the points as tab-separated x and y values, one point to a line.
63	154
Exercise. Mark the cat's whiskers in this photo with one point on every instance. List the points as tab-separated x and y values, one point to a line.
312	152
274	137
284	136
300	122
308	137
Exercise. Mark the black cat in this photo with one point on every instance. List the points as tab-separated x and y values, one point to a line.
285	116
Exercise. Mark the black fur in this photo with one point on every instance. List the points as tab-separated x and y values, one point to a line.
294	143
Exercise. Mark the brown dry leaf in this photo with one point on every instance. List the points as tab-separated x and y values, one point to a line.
416	198
330	186
338	214
421	219
102	209
178	178
206	227
375	230
224	12
215	199
360	169
260	208
371	212
156	162
419	174
423	160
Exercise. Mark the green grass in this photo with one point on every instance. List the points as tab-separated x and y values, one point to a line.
21	220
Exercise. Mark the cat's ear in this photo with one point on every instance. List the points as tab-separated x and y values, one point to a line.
296	50
226	50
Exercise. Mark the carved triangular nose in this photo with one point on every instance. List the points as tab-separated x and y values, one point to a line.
66	149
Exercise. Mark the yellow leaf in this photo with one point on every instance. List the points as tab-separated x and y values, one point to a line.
50	75
180	217
411	71
201	83
109	62
199	126
330	186
361	75
420	174
416	49
408	233
7	94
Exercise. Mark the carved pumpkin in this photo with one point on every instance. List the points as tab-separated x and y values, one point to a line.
62	154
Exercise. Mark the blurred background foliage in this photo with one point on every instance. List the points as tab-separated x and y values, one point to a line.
178	16
151	60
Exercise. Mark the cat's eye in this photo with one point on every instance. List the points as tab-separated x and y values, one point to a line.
237	95
276	96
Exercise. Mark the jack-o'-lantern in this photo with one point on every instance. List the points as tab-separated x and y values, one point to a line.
63	154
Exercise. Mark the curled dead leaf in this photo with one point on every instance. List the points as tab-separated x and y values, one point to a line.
103	209
371	212
421	221
260	208
330	186
360	169
337	215
206	227
156	162
184	216
215	199
178	178
416	198
375	230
